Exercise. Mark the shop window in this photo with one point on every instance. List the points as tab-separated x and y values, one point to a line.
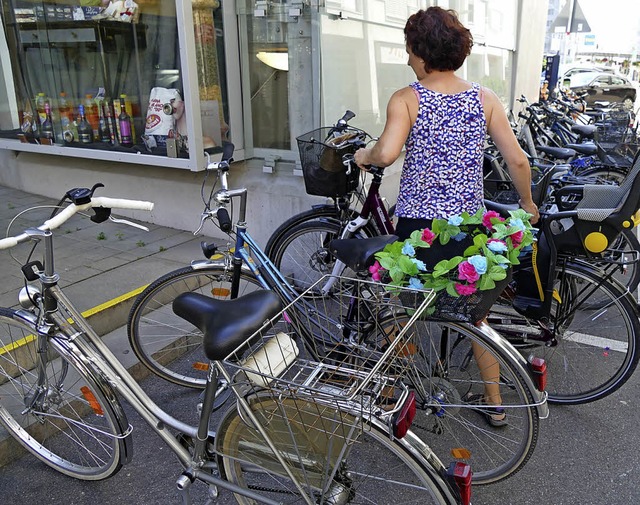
124	68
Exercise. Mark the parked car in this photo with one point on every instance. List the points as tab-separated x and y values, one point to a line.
570	72
603	87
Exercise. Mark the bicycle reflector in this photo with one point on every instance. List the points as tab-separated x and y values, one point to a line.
538	367
404	417
460	475
92	401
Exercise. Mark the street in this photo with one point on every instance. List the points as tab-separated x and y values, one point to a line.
585	455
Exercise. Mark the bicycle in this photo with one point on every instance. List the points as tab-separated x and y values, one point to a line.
295	434
304	243
580	318
440	378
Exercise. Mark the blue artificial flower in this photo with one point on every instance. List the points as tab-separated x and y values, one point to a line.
455	220
421	266
479	263
408	250
517	222
459	237
414	283
497	246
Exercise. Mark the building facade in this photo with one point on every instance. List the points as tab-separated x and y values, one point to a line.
196	73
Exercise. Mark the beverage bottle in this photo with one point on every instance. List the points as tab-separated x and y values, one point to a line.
103	127
91	113
111	122
41	98
124	120
85	132
30	121
46	130
67	121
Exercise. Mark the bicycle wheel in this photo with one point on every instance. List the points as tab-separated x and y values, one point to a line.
167	344
590	351
61	415
605	175
451	375
302	254
374	469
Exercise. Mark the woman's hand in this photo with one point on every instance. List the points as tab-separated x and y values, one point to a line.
361	157
532	209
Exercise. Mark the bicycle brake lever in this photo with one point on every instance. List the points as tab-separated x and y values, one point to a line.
128	223
203	218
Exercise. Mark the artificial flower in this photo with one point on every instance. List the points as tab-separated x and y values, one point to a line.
467	272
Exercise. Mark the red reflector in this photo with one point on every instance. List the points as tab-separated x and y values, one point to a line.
403	419
461	473
538	367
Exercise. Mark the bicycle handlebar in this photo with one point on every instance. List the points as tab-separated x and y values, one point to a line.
72	209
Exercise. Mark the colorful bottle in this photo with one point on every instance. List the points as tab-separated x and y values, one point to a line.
29	124
46	130
41	98
103	128
85	132
67	121
111	122
91	113
124	121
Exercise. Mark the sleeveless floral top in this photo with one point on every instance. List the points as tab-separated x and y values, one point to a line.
442	172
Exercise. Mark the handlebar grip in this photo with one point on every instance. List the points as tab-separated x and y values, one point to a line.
9	242
121	203
224	220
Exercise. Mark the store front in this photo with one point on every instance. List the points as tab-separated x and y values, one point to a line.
160	80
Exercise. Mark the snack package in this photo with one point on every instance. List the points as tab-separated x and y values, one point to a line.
165	109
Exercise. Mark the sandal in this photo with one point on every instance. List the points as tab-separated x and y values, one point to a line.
495	416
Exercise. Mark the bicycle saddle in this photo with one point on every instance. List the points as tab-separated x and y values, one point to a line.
585	130
586	148
561	153
226	324
358	254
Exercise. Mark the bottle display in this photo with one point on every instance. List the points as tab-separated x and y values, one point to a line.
124	123
46	130
85	132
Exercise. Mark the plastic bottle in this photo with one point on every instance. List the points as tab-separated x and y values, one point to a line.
67	121
46	130
91	113
29	125
124	122
85	132
41	98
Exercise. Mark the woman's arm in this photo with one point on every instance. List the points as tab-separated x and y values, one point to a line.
395	133
502	135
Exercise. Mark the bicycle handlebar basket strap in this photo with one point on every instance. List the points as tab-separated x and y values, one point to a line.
321	157
309	389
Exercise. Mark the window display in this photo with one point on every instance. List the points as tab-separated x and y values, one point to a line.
109	73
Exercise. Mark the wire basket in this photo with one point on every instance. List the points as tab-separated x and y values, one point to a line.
613	129
321	156
312	374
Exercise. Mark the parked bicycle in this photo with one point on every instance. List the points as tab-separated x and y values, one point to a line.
299	431
442	374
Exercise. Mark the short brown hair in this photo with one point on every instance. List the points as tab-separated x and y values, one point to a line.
439	38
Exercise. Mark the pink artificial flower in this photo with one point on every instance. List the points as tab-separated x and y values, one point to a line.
428	236
465	289
375	271
467	272
516	238
488	216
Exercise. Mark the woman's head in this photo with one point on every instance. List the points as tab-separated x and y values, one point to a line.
439	38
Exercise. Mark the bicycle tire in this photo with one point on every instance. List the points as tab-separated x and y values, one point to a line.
595	350
166	344
71	420
302	255
604	175
376	468
447	378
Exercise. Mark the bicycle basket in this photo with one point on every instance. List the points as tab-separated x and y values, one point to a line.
315	371
613	129
321	159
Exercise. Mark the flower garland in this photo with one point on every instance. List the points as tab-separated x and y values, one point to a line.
497	243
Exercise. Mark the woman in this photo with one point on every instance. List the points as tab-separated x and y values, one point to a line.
443	121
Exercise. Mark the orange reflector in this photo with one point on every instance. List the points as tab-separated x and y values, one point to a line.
222	292
93	401
408	350
200	366
461	453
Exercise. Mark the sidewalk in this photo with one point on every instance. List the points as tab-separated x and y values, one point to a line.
102	268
